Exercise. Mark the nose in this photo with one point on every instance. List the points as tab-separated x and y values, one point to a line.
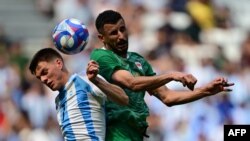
44	79
121	35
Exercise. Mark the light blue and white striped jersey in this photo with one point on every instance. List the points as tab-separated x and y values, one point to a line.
80	110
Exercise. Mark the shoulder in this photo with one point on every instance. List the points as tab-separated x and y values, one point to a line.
134	54
95	90
100	52
104	56
84	78
97	50
81	82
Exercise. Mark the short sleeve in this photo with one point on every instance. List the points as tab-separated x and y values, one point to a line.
95	90
98	91
149	70
108	63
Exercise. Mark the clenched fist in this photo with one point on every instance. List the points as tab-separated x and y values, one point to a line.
186	79
92	70
218	85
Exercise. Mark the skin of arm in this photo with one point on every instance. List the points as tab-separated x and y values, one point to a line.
113	92
126	79
171	98
154	85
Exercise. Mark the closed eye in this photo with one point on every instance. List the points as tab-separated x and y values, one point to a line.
123	28
42	73
115	32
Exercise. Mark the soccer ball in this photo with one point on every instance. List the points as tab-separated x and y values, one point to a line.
70	36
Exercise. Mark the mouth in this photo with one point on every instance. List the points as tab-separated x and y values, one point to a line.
122	46
50	84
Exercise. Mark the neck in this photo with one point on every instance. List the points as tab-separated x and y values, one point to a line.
65	77
123	55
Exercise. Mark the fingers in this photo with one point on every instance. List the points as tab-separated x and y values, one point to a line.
227	90
228	84
93	67
190	81
223	84
93	63
190	87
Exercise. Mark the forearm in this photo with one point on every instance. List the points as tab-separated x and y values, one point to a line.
149	82
138	83
113	92
171	98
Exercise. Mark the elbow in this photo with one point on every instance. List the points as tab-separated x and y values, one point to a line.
168	102
133	86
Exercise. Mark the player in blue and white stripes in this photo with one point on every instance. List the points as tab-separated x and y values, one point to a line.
81	99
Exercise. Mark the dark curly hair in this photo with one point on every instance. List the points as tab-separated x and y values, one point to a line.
107	17
46	54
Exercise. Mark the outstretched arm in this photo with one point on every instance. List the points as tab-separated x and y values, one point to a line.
170	97
112	91
126	79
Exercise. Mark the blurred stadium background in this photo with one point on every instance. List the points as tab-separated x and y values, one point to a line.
207	38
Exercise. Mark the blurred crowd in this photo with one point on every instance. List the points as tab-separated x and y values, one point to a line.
207	38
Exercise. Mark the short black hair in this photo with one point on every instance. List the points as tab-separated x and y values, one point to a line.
107	17
45	54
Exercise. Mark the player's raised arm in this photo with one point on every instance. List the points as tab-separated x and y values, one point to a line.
126	79
113	92
170	97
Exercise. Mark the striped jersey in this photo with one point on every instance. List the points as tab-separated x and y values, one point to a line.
80	110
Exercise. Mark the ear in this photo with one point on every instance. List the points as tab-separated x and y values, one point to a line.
59	63
101	38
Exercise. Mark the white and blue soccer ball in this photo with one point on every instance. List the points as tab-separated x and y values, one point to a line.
70	36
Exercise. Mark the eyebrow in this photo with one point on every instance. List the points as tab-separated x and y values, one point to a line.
111	29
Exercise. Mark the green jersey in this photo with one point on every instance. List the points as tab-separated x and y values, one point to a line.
131	117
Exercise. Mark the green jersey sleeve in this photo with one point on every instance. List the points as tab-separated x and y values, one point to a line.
108	62
149	69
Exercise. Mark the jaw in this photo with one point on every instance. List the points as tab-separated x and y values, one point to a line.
120	50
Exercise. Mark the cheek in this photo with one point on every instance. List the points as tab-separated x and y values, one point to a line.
54	74
113	42
112	39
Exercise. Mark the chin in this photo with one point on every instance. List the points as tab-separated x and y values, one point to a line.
53	88
123	50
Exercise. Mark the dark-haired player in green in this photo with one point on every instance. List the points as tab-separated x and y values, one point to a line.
135	75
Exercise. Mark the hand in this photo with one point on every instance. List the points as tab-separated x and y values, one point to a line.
186	79
218	85
92	70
